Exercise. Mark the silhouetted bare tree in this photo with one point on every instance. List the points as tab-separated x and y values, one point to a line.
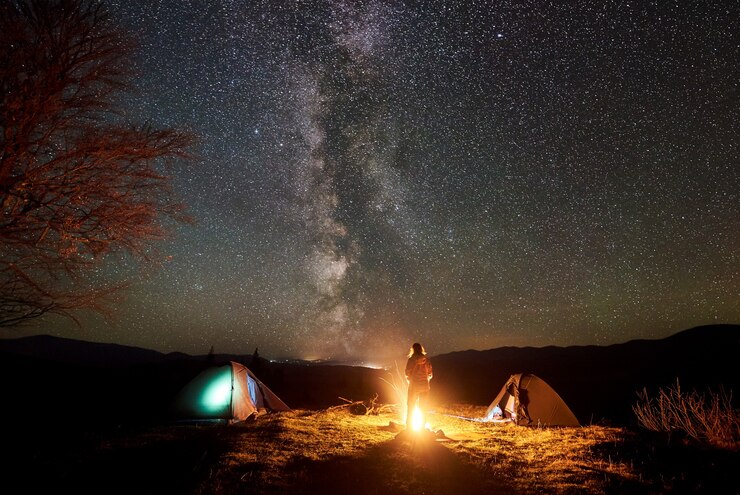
76	184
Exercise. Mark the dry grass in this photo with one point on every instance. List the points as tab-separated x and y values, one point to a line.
539	460
335	451
707	418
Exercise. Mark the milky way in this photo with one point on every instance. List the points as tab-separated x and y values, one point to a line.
465	174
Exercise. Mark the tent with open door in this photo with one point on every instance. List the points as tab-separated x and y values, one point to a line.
528	400
229	393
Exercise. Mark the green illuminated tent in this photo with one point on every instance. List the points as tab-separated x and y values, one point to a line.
527	400
228	393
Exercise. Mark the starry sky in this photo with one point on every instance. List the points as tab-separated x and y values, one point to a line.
467	174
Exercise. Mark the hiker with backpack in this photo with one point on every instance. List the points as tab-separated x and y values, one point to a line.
418	374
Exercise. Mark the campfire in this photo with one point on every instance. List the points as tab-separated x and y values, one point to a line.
417	420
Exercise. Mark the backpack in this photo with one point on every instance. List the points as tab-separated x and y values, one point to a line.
420	370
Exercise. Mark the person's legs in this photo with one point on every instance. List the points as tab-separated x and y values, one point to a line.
423	400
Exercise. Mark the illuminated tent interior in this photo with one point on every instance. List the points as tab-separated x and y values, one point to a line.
528	400
228	393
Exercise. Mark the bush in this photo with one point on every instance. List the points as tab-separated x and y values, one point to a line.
708	418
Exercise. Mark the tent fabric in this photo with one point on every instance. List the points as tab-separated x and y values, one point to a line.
526	399
229	393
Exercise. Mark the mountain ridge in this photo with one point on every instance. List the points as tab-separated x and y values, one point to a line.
599	381
83	352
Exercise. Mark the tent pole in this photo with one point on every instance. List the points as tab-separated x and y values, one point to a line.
231	396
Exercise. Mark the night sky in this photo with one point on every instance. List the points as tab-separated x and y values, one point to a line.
464	174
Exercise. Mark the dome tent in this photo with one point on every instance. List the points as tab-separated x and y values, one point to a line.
228	393
526	399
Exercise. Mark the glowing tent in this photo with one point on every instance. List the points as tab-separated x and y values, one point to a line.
528	400
229	393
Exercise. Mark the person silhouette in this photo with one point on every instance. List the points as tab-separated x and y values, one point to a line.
418	374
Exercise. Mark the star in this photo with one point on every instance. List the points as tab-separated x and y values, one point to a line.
409	177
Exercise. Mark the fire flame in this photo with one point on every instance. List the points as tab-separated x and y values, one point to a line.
417	419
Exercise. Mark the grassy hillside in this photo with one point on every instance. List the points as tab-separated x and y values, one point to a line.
333	451
90	429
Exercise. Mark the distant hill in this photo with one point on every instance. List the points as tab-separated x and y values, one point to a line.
78	352
83	353
598	382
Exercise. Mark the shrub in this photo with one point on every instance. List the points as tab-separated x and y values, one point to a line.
708	418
